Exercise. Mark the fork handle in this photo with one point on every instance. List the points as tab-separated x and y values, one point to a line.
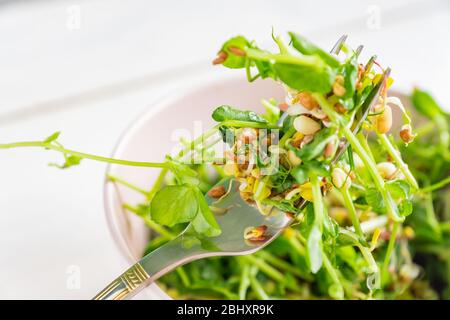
150	268
126	285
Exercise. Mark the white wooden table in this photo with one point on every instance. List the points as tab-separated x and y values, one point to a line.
88	68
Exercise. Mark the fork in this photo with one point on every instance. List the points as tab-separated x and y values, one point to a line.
239	217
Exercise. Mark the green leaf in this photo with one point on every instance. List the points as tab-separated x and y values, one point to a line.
234	61
174	204
351	158
183	173
314	69
69	161
316	147
288	124
399	189
189	240
281	180
331	227
143	209
52	137
347	238
305	77
309	219
375	200
204	222
265	69
209	245
425	103
306	47
314	248
308	73
301	172
272	111
348	255
318	167
225	112
405	208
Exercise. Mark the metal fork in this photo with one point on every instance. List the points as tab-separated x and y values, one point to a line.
238	217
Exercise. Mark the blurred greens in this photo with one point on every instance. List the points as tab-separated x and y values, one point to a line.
282	270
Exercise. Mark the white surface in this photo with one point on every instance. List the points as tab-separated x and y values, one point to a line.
91	81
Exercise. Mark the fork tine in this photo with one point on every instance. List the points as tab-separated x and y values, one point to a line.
358	50
338	45
367	105
372	98
370	63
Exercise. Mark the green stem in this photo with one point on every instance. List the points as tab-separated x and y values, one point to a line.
328	109
256	285
444	135
304	60
373	266
425	129
47	145
157	183
244	282
281	45
204	149
247	124
363	141
183	276
377	179
431	214
366	159
319	211
389	251
367	254
248	71
121	181
333	275
197	141
282	264
352	211
291	131
436	186
297	245
265	268
398	160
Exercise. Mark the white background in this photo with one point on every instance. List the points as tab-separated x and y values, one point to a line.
88	68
